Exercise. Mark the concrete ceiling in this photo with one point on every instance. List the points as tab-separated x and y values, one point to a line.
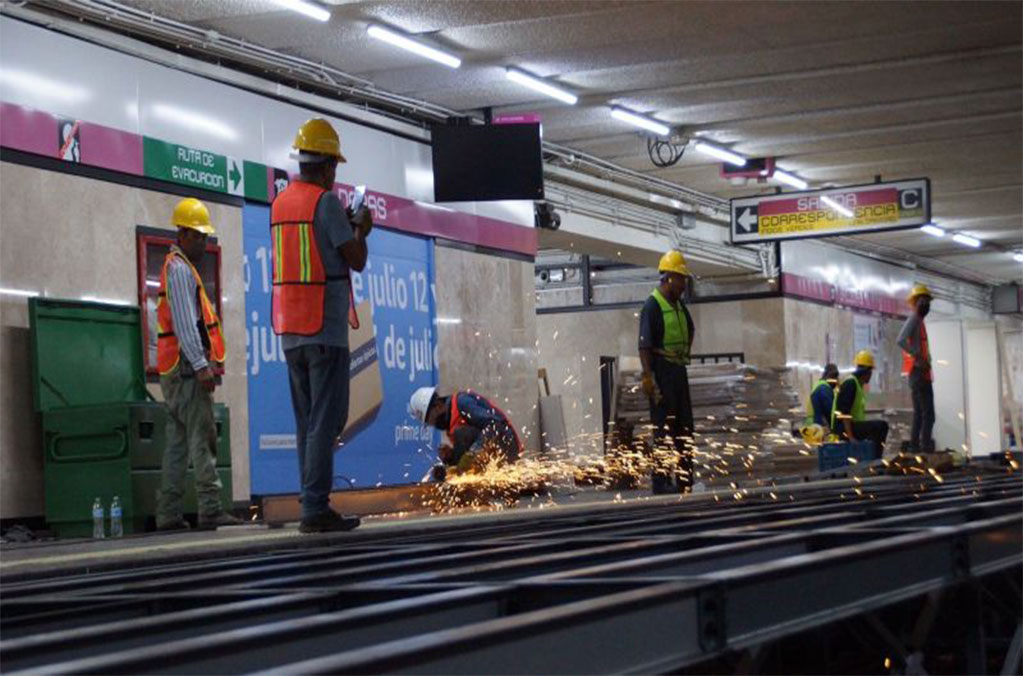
838	92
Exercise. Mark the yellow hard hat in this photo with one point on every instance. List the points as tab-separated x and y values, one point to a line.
316	135
673	261
919	290
192	214
812	434
864	359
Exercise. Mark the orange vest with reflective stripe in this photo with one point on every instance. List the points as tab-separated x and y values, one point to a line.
168	350
925	354
458	420
299	280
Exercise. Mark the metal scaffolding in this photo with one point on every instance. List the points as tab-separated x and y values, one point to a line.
863	576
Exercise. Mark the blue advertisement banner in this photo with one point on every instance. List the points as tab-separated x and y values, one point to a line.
393	353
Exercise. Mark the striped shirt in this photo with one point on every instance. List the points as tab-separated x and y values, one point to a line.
182	293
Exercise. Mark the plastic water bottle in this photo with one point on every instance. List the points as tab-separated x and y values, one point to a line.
116	527
97	519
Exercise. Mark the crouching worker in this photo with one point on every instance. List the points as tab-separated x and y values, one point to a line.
477	430
849	417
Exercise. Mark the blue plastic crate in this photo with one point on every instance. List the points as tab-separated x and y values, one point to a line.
833	456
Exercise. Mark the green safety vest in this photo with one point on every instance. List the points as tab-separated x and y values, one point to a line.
859	407
675	346
809	401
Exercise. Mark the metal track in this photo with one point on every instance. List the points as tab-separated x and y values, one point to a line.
639	587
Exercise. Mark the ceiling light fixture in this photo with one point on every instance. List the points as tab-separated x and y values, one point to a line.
408	44
966	240
311	10
1018	257
791	179
837	207
640	121
539	85
721	154
933	230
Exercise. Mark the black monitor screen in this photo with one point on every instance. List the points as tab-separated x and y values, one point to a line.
480	163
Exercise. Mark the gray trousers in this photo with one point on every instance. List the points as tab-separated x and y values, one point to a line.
318	375
191	435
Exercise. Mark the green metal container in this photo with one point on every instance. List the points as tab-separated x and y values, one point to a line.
103	434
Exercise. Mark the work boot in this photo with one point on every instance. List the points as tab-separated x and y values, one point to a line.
328	522
221	518
173	525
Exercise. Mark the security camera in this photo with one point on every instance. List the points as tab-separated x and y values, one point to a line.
544	216
545	276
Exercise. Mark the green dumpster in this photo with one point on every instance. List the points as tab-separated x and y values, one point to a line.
103	434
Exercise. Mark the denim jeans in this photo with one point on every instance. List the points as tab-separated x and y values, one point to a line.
318	375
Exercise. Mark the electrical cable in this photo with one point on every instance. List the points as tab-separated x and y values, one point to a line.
664	153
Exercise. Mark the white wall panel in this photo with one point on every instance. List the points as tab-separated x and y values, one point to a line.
46	71
946	344
983	384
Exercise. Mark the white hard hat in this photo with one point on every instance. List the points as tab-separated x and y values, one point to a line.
420	402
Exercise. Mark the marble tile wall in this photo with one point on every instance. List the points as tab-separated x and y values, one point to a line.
486	332
68	237
816	333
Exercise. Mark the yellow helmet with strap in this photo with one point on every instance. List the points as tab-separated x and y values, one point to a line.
317	136
673	261
918	291
192	214
864	359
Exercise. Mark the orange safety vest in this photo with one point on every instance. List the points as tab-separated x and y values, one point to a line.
458	420
168	350
299	280
925	354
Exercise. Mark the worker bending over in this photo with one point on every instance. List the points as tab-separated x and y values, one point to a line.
849	416
476	429
665	338
916	365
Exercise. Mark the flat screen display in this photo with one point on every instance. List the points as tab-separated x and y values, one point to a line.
484	163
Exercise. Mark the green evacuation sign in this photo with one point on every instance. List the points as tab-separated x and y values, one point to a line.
204	170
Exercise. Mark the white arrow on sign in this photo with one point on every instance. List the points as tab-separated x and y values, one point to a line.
747	219
235	177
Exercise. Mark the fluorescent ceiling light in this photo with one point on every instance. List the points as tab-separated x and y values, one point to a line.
836	206
640	121
311	10
791	179
448	320
536	84
721	154
194	121
42	86
966	240
408	44
933	230
1018	257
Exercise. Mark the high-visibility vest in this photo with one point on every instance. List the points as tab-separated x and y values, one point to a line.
168	349
810	417
925	355
675	345
299	280
458	419
859	407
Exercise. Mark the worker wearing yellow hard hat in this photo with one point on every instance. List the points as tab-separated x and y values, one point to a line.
849	416
916	366
189	351
665	339
310	305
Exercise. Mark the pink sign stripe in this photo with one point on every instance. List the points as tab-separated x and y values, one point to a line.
31	131
798	286
111	148
812	203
